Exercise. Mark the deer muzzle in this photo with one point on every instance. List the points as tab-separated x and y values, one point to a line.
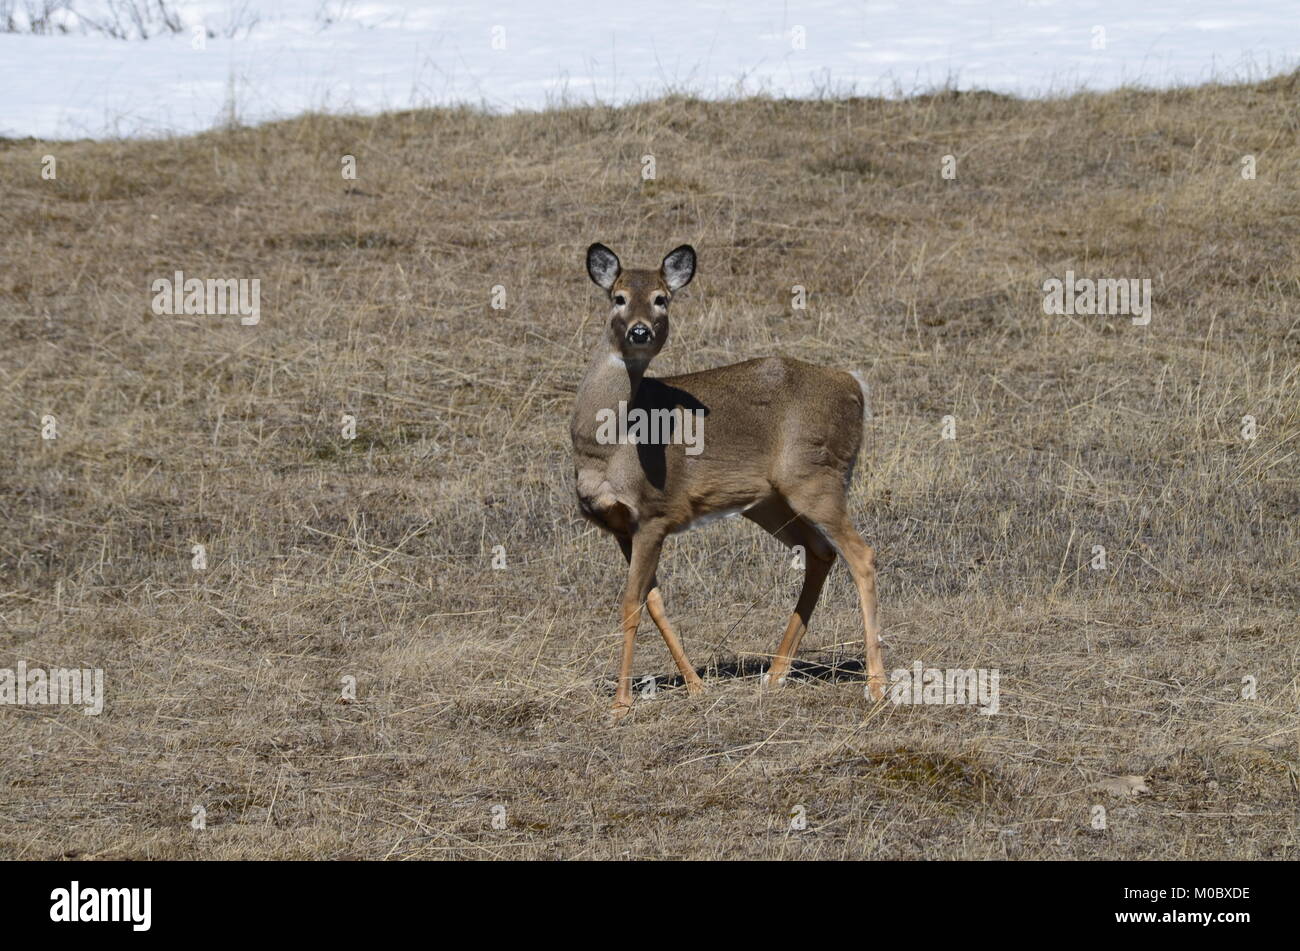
639	335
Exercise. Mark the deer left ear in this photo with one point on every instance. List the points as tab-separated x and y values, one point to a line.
678	267
602	265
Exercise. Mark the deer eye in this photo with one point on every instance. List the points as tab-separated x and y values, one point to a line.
619	300
661	301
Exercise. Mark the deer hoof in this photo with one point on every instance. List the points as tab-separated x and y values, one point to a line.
618	711
769	682
695	688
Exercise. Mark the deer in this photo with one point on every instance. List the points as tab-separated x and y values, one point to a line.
778	442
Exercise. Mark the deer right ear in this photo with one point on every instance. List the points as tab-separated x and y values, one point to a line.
678	267
603	266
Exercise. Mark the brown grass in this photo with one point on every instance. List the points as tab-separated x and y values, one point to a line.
479	687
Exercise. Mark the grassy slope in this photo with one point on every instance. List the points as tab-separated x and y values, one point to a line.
480	687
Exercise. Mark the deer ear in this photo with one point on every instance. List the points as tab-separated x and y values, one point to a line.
602	265
678	267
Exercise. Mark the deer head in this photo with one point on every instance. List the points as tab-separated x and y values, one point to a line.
638	299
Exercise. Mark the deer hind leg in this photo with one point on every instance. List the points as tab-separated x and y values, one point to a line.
654	602
783	523
822	502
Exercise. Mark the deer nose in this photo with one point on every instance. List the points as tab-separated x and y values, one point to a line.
639	335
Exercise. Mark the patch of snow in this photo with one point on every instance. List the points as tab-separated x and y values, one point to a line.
299	55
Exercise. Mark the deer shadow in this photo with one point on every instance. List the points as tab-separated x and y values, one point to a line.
657	396
832	670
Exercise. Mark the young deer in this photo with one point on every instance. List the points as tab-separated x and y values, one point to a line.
779	441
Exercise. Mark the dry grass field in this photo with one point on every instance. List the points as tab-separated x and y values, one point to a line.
372	558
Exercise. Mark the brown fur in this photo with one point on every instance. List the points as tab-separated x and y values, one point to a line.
779	441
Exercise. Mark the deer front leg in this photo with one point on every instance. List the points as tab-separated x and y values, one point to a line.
655	603
646	545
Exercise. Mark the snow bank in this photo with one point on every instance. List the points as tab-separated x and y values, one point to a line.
300	55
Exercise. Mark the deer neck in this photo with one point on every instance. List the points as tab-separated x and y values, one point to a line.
610	380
